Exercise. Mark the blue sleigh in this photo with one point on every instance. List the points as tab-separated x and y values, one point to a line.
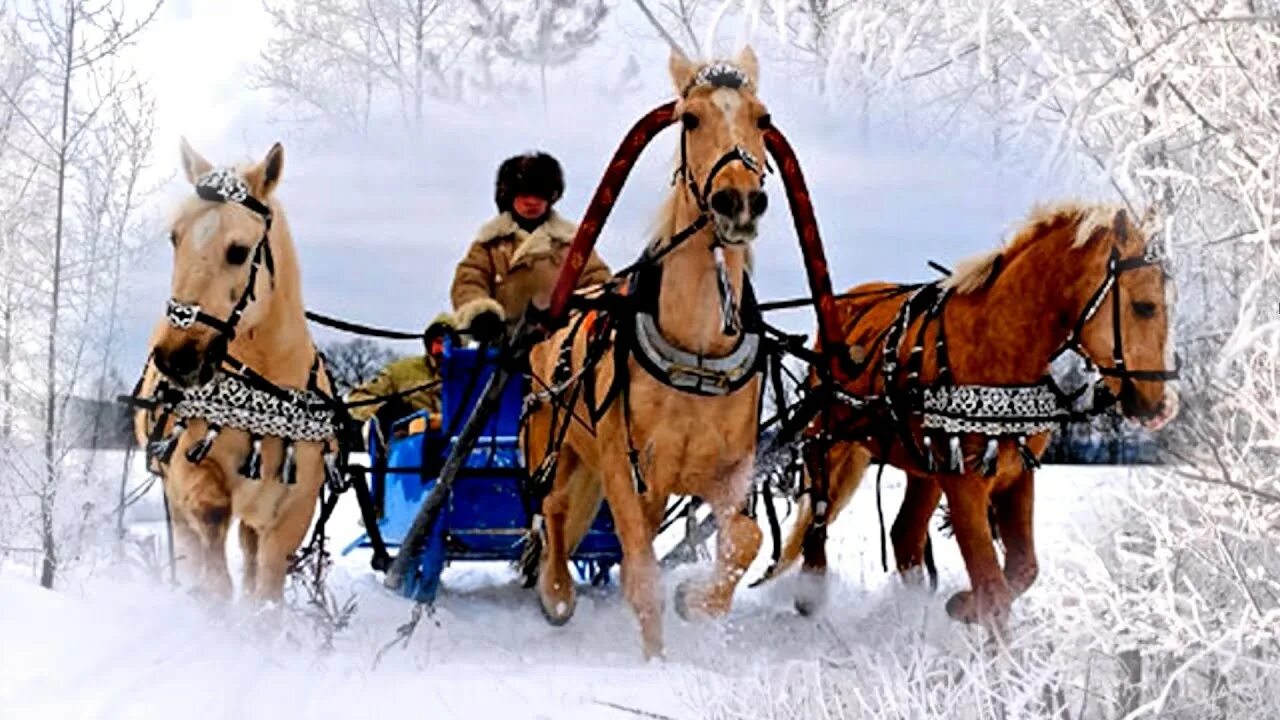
487	513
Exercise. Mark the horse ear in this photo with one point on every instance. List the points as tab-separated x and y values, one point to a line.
750	65
682	70
1120	228
193	164
264	176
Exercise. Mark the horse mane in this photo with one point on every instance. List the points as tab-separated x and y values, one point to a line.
663	223
974	273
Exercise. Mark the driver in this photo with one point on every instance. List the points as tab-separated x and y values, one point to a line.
516	257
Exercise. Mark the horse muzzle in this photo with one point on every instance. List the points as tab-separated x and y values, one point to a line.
736	213
184	363
1150	415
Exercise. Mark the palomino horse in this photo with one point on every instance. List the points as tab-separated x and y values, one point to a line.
235	297
955	376
683	368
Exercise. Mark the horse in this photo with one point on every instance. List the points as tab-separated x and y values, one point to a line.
950	383
235	314
682	369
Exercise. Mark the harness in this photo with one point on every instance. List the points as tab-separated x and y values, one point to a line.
688	371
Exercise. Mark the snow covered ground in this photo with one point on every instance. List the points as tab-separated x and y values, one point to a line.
114	643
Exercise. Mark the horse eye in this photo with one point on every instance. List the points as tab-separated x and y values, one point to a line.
1144	309
765	122
237	254
690	121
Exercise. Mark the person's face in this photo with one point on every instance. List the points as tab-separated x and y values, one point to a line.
530	207
436	348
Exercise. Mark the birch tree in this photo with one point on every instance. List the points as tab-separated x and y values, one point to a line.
82	130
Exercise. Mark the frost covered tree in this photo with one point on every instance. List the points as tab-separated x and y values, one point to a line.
540	33
350	62
78	136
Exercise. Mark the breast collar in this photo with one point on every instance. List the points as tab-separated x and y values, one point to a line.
684	370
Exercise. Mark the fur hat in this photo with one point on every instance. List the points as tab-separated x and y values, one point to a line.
444	325
535	173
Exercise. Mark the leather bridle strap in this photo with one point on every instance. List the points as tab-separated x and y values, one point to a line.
1118	368
224	186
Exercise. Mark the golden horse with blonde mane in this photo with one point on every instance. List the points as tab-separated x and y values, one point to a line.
685	415
236	315
955	380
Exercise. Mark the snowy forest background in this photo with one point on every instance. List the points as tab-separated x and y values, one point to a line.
1170	104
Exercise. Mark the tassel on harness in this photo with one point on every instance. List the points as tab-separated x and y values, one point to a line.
990	457
162	450
198	452
728	312
957	456
332	477
1029	460
289	473
928	453
252	466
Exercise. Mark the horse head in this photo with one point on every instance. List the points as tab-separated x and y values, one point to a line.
722	149
1128	331
223	264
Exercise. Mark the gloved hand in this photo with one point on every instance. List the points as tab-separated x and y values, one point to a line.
487	327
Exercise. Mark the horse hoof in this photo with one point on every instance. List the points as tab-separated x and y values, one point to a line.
811	593
912	576
683	608
559	614
557	607
964	607
960	607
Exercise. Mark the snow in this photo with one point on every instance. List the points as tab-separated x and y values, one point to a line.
115	644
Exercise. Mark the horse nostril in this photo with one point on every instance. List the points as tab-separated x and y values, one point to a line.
757	203
180	363
726	202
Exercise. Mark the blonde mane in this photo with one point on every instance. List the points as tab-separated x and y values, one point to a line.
973	273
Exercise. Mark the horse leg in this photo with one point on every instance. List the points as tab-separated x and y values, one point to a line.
201	514
1013	518
737	542
640	576
281	538
988	602
212	523
249	549
556	593
846	463
276	545
188	550
911	528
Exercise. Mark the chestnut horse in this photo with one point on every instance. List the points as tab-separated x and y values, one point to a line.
235	294
1077	277
685	414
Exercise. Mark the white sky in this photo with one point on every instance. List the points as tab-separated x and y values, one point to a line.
381	222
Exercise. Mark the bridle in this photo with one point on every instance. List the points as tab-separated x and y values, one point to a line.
224	185
1118	368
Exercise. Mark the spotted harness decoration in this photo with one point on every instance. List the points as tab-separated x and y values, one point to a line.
237	396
